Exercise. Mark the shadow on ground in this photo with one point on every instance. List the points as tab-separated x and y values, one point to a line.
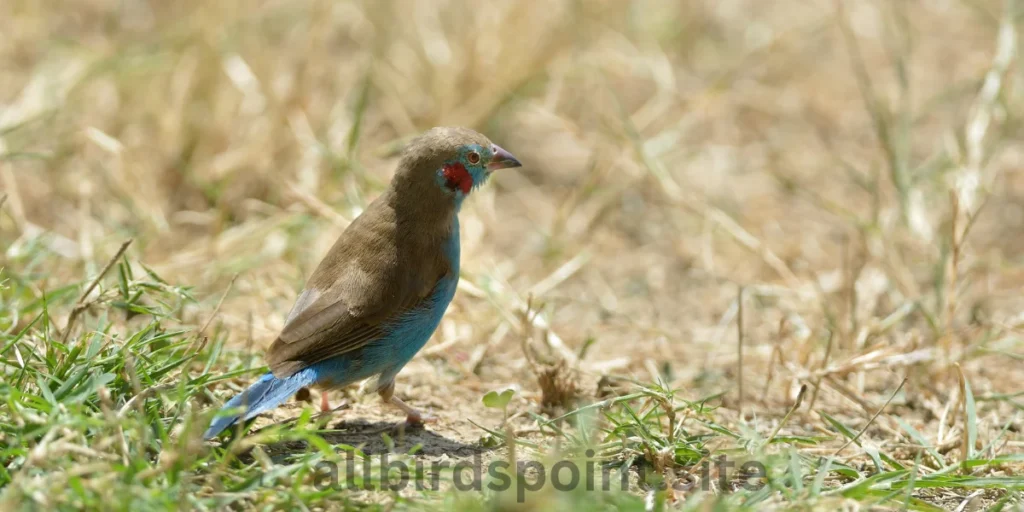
369	437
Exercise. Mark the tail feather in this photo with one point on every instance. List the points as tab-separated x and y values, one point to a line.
266	393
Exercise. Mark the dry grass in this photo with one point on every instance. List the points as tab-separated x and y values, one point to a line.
856	166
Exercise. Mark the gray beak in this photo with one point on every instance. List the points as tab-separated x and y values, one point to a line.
501	160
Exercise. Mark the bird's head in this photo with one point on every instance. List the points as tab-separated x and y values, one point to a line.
446	164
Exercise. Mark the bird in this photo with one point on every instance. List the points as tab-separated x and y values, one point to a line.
381	290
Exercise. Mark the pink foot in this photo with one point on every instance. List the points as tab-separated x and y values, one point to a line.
419	419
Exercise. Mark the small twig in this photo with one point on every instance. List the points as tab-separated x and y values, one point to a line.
317	206
972	217
872	420
697	205
850	295
480	352
80	305
877	110
796	405
146	393
562	273
536	320
775	355
850	394
824	364
521	315
439	349
199	334
945	420
965	435
752	243
986	103
969	500
219	304
954	243
106	269
739	349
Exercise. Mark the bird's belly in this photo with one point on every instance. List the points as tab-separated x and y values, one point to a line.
388	354
408	335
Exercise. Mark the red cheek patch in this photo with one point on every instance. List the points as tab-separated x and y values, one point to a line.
457	177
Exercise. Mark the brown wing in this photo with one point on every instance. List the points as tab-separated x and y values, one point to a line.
372	274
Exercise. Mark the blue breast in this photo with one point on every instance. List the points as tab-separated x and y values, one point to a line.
408	335
405	336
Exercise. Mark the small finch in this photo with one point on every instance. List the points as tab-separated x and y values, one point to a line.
380	292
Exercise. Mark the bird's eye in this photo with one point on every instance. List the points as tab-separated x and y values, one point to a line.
474	157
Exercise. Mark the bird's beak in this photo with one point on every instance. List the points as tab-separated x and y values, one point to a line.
501	160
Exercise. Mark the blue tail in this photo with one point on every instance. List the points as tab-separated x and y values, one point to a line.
263	395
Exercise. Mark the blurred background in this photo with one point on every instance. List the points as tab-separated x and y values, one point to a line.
856	166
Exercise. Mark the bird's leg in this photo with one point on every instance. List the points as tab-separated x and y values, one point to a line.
412	416
325	406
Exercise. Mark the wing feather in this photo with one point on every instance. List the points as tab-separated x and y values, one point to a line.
372	274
